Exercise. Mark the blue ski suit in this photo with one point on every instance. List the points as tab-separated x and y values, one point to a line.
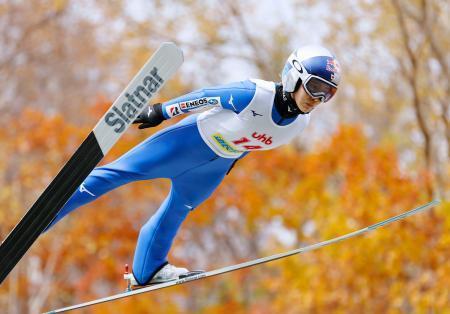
195	154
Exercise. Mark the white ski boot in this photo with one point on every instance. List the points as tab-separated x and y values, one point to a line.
168	273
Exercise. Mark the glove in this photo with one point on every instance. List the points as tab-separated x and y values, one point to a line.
150	117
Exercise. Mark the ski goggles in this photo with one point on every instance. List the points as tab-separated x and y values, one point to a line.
318	88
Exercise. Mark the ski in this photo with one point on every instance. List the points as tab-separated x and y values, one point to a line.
130	103
250	263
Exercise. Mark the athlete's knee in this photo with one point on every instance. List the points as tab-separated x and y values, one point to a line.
190	200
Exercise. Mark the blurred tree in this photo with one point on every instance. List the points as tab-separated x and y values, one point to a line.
395	62
271	202
43	58
74	57
94	47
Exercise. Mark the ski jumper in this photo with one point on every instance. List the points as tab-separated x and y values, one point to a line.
195	154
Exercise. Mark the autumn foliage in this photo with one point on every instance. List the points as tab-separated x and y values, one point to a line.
384	148
271	202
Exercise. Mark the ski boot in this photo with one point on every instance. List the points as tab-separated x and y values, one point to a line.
168	273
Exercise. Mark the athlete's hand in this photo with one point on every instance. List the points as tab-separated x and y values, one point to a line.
150	117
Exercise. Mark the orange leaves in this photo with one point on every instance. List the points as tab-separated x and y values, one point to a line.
271	201
99	108
346	183
34	133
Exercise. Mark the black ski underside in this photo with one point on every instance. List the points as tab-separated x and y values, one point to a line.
45	209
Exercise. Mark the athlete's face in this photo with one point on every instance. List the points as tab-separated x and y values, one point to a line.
305	102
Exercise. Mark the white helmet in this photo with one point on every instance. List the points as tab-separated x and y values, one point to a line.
316	68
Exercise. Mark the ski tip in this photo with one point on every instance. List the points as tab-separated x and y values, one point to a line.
436	201
173	48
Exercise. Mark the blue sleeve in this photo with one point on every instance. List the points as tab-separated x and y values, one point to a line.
234	96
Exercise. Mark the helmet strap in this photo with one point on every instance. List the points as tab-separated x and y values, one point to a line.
285	103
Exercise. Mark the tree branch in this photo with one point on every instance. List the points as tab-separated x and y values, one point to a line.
412	79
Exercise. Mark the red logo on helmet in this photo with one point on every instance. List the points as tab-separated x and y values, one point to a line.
333	66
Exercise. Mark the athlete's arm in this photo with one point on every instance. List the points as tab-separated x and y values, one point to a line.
234	96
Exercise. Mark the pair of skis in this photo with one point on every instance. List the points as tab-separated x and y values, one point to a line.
250	263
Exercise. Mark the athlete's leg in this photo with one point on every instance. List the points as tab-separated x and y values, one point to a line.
189	189
162	155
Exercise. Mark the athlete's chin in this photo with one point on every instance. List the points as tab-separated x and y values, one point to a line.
306	108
